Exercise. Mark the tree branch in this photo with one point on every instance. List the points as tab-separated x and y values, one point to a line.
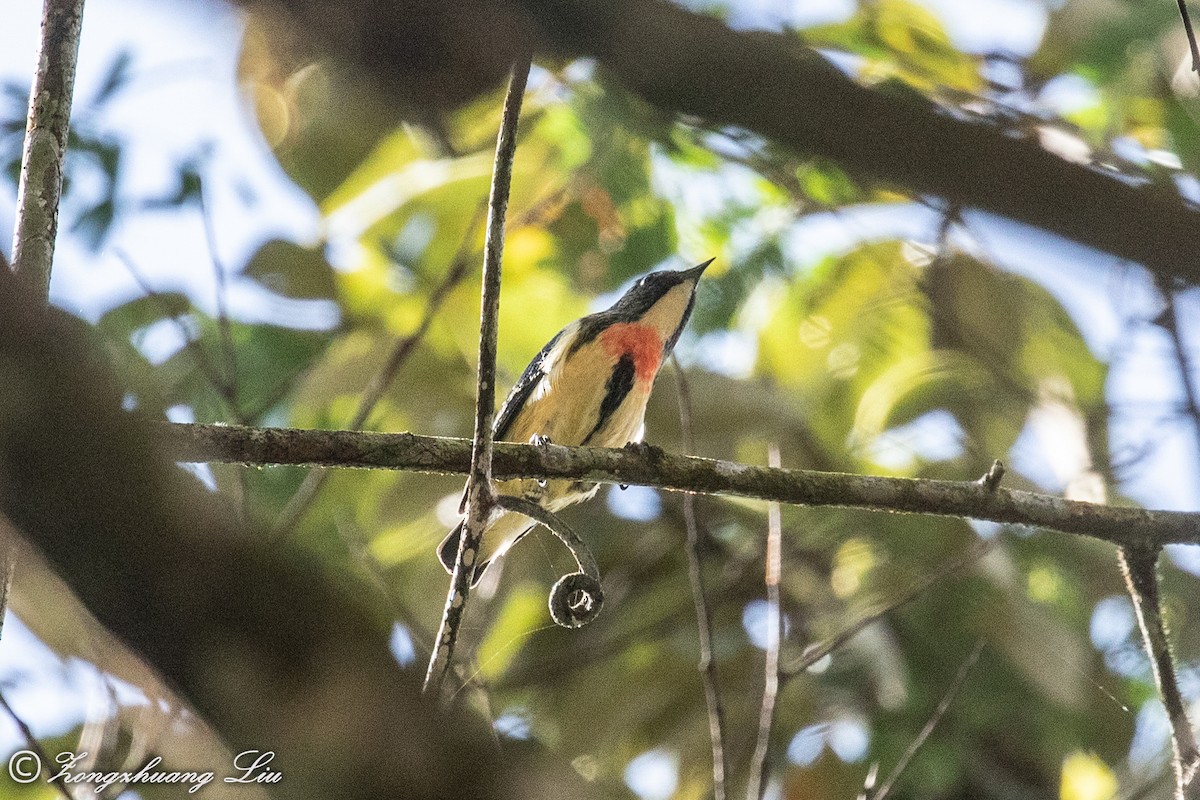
707	664
955	687
416	453
40	184
34	745
481	493
769	84
224	328
1168	321
1139	566
1191	35
766	717
191	343
815	652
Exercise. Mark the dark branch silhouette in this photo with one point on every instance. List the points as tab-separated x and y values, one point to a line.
770	84
167	568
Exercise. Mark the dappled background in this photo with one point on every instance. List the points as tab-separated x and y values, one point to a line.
251	233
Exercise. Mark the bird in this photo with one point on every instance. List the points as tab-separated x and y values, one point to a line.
587	387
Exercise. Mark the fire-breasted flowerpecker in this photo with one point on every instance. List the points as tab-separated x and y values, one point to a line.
588	386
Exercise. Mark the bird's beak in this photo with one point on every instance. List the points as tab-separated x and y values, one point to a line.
694	273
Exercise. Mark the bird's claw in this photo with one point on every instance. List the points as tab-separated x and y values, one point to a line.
646	450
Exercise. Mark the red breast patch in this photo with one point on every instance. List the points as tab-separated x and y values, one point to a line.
639	341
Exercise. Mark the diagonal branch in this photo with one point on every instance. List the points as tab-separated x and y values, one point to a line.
167	567
818	651
1168	320
41	757
224	327
1139	566
650	467
190	342
314	481
955	687
481	493
1191	35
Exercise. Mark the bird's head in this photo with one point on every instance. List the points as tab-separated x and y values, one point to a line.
662	301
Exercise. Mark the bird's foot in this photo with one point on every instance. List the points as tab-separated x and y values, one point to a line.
646	450
650	452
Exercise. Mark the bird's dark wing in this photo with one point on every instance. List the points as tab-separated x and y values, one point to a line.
508	413
521	390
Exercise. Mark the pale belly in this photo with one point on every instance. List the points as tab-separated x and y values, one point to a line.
570	423
565	408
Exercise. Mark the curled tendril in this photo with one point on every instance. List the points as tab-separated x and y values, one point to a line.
576	599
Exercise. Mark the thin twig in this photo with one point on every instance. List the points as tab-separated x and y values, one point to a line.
766	717
33	744
1168	320
952	692
816	652
8	565
481	493
991	479
1191	35
707	664
225	334
223	325
1139	566
190	342
40	186
655	468
304	496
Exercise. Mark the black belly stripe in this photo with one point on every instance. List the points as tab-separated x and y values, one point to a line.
618	387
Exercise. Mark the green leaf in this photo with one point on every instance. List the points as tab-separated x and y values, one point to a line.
288	269
142	311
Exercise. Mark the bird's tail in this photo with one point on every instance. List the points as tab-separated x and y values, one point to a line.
448	554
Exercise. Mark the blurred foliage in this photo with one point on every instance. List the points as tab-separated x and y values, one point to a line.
914	357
